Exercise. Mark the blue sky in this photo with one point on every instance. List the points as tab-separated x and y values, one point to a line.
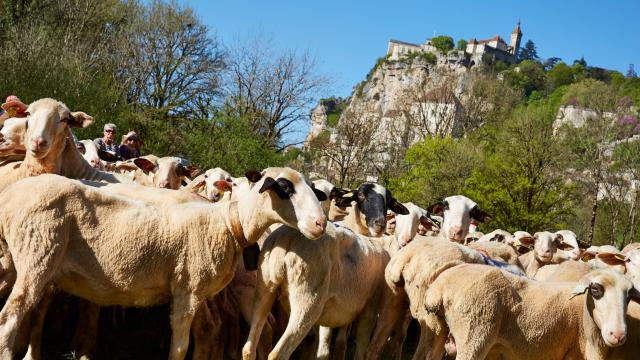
347	37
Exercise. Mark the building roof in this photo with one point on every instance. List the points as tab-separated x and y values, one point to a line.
403	43
517	29
495	38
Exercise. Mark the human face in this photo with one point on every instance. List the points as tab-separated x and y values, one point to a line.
109	134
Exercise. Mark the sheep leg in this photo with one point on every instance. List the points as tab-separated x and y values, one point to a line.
183	309
324	343
304	314
366	322
391	317
341	342
262	307
25	294
423	343
86	332
37	324
204	331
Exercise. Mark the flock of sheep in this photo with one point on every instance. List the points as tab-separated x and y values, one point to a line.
353	260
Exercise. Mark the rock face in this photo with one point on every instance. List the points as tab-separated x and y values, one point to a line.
318	123
404	101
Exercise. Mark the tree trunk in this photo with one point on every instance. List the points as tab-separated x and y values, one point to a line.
593	215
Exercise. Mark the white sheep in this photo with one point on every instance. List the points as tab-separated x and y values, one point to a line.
457	212
213	185
166	172
331	290
91	154
526	319
166	260
498	235
545	246
572	249
12	137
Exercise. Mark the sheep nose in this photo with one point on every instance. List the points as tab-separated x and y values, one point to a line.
321	224
38	142
164	184
617	337
380	222
95	162
456	233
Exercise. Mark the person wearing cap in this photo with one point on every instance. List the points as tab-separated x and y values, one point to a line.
130	146
13	107
108	148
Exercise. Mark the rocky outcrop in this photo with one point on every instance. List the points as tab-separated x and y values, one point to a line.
318	123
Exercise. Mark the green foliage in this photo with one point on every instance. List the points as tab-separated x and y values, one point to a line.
461	45
529	76
443	43
437	167
528	52
561	74
519	184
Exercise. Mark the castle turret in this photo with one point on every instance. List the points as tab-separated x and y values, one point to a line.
514	43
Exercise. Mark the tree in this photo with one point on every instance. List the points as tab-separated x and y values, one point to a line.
351	150
443	43
528	52
520	184
529	76
587	143
273	91
560	75
551	62
436	168
631	72
461	45
170	62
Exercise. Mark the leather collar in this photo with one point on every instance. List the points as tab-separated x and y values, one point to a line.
236	226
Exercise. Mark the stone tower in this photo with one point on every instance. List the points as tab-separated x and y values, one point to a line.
516	36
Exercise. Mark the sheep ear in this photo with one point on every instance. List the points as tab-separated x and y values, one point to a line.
337	193
78	119
611	259
269	183
559	239
527	240
189	171
346	199
397	207
199	185
437	208
634	295
253	176
144	164
480	215
426	222
320	194
223	185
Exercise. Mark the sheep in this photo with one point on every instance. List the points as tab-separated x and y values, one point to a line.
526	319
497	235
545	246
329	290
168	172
209	185
570	241
498	250
327	188
48	125
12	138
574	270
180	254
91	154
457	211
407	225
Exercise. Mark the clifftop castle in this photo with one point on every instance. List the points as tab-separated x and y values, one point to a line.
495	47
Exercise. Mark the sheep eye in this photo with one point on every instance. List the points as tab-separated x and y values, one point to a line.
596	290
